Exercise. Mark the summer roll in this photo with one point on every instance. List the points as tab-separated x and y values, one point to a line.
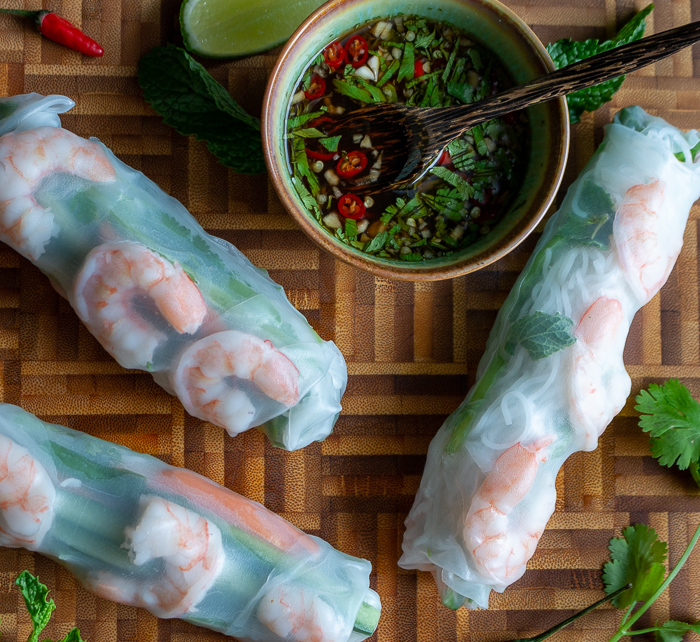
552	377
140	532
157	291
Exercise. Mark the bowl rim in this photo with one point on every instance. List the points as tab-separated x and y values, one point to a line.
399	270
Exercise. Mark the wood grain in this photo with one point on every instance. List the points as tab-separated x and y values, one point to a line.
412	352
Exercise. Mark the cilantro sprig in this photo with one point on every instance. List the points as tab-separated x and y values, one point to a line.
635	572
672	418
40	608
566	52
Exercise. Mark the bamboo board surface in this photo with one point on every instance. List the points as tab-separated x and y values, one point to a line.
412	352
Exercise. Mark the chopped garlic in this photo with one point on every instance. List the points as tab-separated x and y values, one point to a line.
332	220
331	177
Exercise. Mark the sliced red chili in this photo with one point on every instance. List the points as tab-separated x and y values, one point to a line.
356	51
351	206
445	158
317	122
351	164
317	87
324	156
418	70
334	54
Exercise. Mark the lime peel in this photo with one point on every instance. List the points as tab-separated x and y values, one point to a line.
233	28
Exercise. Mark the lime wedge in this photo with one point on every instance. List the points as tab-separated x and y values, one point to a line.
229	28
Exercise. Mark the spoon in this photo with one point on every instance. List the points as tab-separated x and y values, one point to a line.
411	138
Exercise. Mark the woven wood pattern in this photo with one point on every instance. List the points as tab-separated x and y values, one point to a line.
411	350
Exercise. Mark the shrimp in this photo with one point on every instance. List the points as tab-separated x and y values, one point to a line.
599	384
647	247
106	295
27	497
201	378
296	616
498	550
191	550
26	158
238	511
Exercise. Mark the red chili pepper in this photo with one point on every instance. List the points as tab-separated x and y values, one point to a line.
351	164
356	51
317	87
60	30
445	158
351	206
324	156
418	70
334	55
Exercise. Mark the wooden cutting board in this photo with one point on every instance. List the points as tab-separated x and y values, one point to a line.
412	352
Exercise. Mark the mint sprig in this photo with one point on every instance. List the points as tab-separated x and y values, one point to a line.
541	334
566	52
187	98
40	608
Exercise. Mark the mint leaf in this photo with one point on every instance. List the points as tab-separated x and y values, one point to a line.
190	100
351	91
566	51
637	558
311	132
672	418
465	190
407	68
595	229
673	631
34	594
330	143
541	334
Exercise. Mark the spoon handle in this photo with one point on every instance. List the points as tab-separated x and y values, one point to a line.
579	75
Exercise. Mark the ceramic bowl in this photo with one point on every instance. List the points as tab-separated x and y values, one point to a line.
518	49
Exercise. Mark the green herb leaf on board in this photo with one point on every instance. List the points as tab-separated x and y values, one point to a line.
637	558
186	96
566	51
672	418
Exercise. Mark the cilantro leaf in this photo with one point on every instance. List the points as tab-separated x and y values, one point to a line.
541	334
566	51
672	418
637	558
190	100
673	631
465	190
351	91
377	243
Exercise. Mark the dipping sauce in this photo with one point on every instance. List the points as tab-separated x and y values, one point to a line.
411	60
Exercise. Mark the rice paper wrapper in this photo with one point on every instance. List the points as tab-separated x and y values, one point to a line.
157	291
140	532
552	376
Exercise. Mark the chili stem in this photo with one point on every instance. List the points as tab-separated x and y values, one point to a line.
623	630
